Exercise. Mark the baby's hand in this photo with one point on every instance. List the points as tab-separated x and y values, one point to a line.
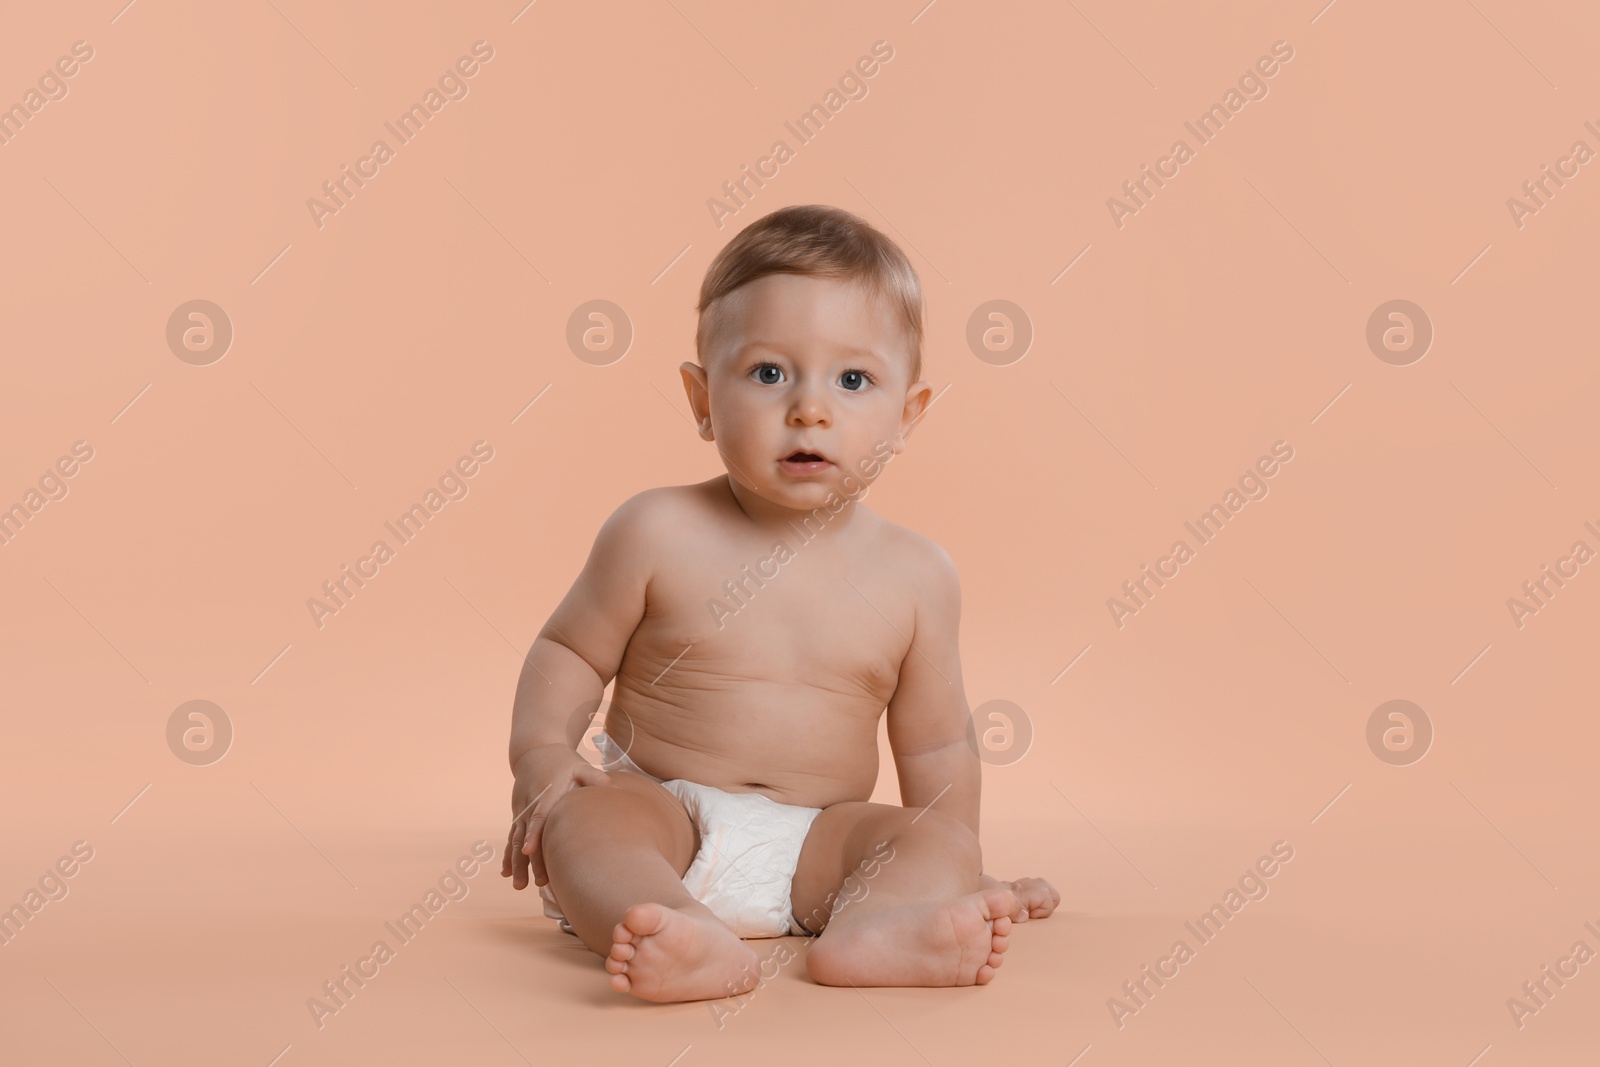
545	774
1036	898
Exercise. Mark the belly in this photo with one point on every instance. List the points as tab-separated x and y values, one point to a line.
795	742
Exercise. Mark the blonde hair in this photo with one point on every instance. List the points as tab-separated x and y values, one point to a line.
823	242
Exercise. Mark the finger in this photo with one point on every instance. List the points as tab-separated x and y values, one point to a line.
535	854
513	846
505	860
519	858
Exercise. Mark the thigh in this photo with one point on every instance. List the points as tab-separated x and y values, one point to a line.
840	838
635	809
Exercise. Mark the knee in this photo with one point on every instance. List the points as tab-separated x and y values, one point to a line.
621	815
566	817
946	829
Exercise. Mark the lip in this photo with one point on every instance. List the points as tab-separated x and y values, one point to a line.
803	468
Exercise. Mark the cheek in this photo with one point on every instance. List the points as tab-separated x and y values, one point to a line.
744	427
746	436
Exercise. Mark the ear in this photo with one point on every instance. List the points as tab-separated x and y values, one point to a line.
694	384
918	395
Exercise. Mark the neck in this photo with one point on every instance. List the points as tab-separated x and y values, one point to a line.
777	518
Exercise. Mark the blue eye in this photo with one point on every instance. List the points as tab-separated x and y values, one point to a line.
854	380
768	374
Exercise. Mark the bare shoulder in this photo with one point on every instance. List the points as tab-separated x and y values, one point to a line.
641	532
653	513
924	562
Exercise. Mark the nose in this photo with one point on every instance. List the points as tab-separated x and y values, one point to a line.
810	407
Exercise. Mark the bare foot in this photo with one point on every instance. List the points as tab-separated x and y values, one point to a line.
916	944
661	954
1036	898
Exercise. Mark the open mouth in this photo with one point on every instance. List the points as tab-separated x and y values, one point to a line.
803	463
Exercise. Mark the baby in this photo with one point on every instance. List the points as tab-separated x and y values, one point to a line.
756	625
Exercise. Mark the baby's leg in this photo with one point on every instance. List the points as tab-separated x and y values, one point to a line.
902	899
616	857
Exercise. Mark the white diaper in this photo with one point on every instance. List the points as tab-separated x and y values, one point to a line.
749	849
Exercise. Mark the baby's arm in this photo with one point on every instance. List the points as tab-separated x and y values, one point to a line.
572	660
928	719
928	714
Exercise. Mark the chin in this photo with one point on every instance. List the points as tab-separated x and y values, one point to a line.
802	498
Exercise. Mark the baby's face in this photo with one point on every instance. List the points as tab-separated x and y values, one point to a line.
805	367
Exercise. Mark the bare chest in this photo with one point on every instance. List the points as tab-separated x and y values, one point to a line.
784	613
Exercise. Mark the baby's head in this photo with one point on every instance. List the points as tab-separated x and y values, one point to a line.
810	343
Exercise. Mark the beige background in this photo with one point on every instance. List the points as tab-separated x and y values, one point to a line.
1228	314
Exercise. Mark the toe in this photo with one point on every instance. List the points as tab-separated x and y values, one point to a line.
642	920
1000	904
